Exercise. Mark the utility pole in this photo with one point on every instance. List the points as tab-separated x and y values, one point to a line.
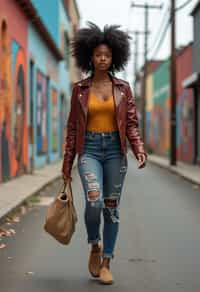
146	8
136	53
173	86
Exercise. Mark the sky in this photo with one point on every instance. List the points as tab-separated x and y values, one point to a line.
120	12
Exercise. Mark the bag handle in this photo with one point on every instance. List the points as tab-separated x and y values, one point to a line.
64	187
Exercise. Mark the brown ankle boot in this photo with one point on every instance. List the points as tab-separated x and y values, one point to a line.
105	276
94	263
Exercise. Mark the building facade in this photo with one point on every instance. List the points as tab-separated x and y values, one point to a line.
13	90
34	84
185	108
158	109
193	80
74	16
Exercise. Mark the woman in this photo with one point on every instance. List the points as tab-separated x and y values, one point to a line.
102	115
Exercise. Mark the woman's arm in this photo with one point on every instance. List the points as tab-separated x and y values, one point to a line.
132	127
70	140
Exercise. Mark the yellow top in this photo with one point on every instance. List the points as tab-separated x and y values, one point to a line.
101	114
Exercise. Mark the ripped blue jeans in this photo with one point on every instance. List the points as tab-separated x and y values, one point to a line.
102	168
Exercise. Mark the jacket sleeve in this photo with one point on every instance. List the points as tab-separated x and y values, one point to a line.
132	127
70	138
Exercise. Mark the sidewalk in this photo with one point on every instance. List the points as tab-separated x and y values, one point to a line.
187	171
17	190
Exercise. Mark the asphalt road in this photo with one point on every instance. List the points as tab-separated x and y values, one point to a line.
158	248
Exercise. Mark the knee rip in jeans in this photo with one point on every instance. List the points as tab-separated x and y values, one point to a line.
93	195
111	204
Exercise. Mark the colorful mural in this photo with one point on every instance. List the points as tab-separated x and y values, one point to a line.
41	113
185	108
149	108
19	111
13	108
185	127
158	110
44	100
5	103
54	134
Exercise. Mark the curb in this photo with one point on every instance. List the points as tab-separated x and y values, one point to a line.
20	202
11	208
174	170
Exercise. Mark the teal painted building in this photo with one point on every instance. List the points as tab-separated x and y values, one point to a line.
48	83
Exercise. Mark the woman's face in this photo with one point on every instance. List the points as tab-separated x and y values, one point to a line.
102	58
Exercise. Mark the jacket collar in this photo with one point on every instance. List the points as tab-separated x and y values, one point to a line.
86	82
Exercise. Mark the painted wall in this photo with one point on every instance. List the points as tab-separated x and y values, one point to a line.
149	110
158	110
64	83
185	108
49	14
159	135
45	89
13	91
50	91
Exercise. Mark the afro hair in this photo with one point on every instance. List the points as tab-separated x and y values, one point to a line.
87	39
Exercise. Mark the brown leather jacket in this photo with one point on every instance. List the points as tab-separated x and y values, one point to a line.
126	116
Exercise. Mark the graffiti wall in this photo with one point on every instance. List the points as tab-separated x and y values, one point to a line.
13	106
19	110
55	118
159	108
5	102
41	113
149	109
185	108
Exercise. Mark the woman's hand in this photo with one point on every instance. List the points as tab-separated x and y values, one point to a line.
142	160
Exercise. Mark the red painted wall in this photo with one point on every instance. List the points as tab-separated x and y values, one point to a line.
185	107
13	74
17	21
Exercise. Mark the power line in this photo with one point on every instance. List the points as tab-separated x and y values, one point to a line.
166	29
161	39
183	5
146	7
159	32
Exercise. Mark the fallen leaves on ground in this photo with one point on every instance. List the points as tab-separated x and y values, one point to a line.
23	210
10	220
29	273
2	245
7	232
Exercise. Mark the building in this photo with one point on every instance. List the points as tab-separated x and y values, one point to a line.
34	84
193	80
74	17
185	108
158	110
13	90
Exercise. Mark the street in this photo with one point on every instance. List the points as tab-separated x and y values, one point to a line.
158	248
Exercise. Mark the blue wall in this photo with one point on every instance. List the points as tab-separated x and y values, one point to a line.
64	83
51	97
41	55
48	10
63	70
